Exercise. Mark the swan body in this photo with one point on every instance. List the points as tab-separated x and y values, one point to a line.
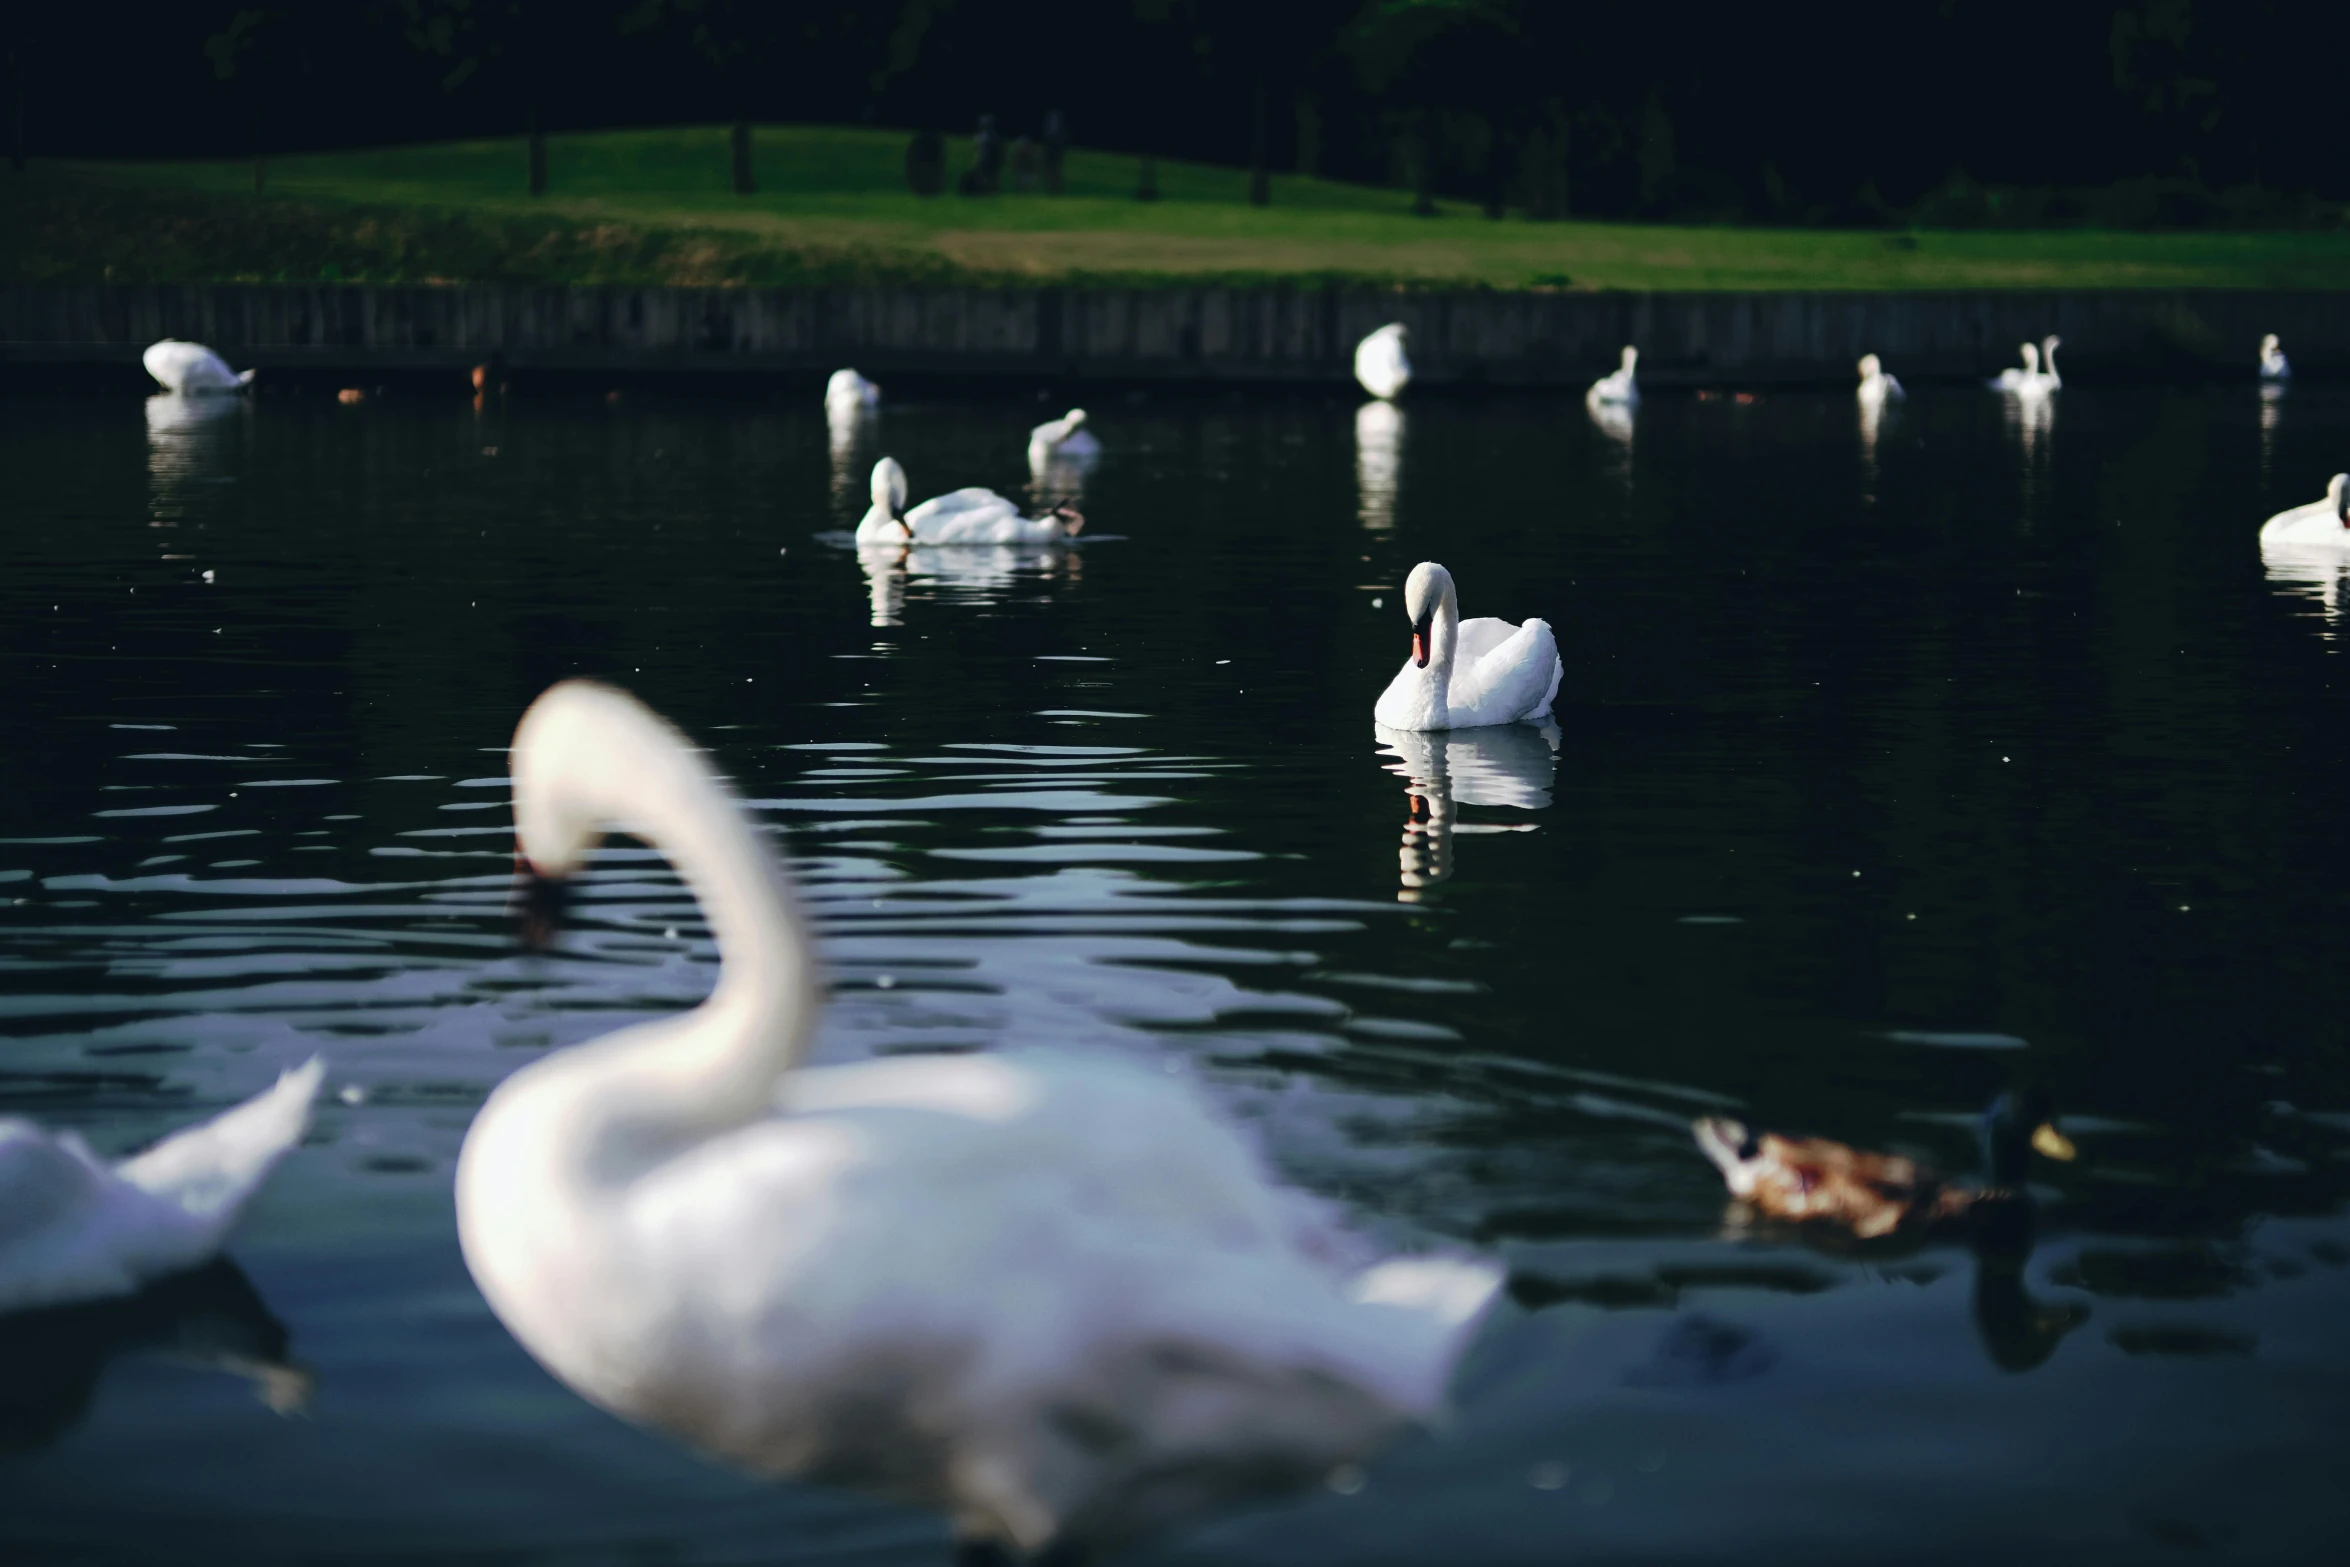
1875	385
2318	525
73	1227
1380	362
1465	674
191	369
973	515
1618	386
1062	440
2272	360
2025	380
1052	1296
849	392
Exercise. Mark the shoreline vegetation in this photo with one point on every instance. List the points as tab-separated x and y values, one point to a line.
658	208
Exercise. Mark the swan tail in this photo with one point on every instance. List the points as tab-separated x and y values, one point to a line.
213	1168
1438	1302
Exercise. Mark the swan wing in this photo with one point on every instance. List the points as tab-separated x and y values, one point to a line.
970	498
983	527
1513	678
211	1169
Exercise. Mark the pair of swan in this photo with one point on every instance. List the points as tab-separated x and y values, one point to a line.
1380	362
73	1227
1465	674
191	369
1617	387
2272	360
2038	373
974	515
1054	1297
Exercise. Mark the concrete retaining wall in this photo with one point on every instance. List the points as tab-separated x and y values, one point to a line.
1203	334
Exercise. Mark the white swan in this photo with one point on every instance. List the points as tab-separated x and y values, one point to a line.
1052	1296
192	369
849	392
1617	386
1875	385
1464	674
1380	362
1063	440
2318	525
75	1228
2027	379
2272	360
2049	379
973	515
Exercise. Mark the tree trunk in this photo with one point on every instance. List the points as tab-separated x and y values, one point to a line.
1147	179
744	184
1260	174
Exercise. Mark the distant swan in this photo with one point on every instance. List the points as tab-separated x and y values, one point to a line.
2049	379
192	369
849	392
1875	385
1061	440
1380	363
1618	386
1464	674
2272	360
2319	524
967	516
1051	1295
2025	380
75	1228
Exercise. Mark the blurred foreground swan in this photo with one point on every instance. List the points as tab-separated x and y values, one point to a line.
1051	1296
1464	674
75	1228
1380	363
967	516
192	369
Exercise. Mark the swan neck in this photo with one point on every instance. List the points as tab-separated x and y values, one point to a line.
1444	635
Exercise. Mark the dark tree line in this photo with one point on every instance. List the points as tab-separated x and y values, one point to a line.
1963	111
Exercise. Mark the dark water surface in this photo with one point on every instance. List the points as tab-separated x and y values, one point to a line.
1882	779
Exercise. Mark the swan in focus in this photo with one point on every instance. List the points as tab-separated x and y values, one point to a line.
849	392
2272	360
191	369
973	515
1064	440
1051	1295
1503	764
1380	363
2026	379
73	1227
2049	379
1875	385
1464	674
1618	386
2318	525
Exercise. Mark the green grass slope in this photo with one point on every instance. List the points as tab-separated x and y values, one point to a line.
655	207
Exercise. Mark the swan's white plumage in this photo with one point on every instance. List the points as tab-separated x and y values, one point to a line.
192	369
1054	1297
1381	364
1875	385
972	515
1619	385
2273	366
74	1228
2049	379
849	392
1062	440
2024	380
2318	525
1478	672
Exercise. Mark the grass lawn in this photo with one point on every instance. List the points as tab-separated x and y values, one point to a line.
655	207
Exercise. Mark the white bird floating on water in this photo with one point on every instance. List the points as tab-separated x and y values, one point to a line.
75	1228
1052	1296
1380	363
2272	360
2317	525
191	369
2026	380
2049	379
849	392
974	515
1617	386
1875	385
1464	674
1064	440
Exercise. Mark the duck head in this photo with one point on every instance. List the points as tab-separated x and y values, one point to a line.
1425	593
2017	1125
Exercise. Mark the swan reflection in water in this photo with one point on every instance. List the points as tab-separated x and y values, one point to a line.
1378	462
849	424
1613	420
1502	765
970	571
51	1359
2312	574
189	440
2272	407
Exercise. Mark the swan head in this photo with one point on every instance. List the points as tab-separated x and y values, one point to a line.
2049	344
2268	344
1870	369
1631	358
1074	418
1072	520
889	486
2031	356
2338	496
1425	591
571	734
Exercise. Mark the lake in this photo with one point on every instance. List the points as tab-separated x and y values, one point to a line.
1891	768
